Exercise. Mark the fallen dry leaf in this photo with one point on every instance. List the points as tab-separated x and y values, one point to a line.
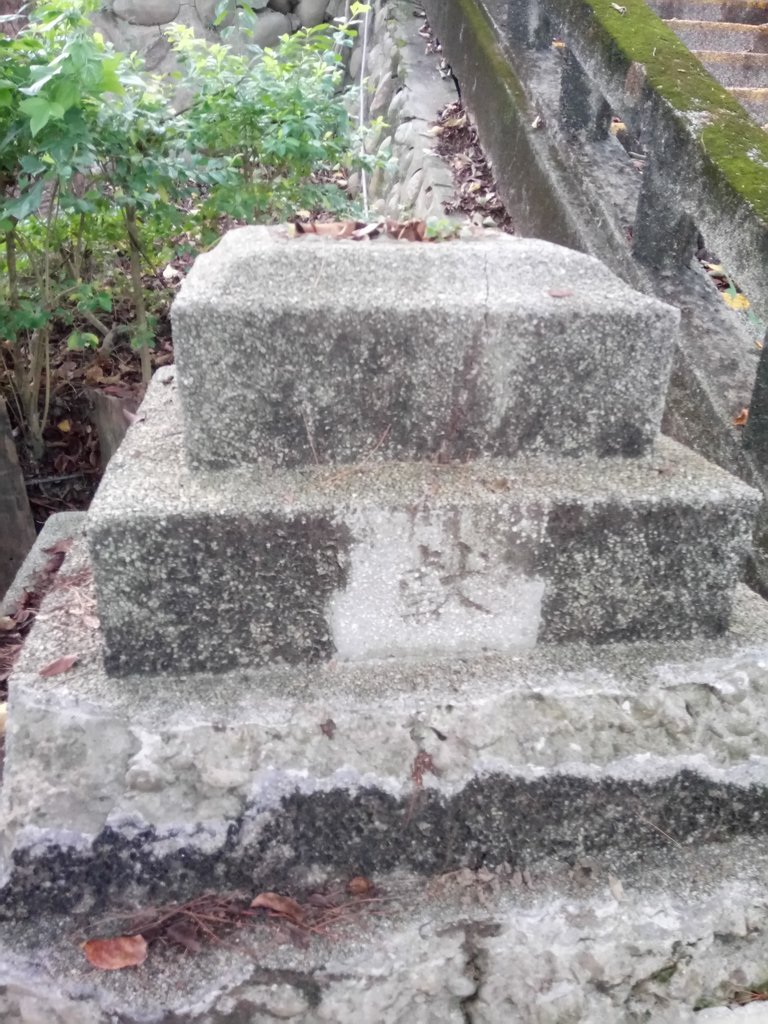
409	230
560	293
328	728
422	765
331	229
741	418
114	954
360	886
284	906
62	664
737	301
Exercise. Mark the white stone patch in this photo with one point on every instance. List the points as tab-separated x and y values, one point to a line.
436	584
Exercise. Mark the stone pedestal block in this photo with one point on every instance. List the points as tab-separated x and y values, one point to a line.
298	351
199	571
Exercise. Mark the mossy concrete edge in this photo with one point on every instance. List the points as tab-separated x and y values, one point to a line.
638	47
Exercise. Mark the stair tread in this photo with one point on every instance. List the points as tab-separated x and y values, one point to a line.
429	935
745	12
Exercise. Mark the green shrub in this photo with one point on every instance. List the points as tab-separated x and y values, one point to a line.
99	174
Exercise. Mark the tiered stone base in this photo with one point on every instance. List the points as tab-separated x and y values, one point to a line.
151	787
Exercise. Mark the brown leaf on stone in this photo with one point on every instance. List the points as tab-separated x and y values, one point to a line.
330	229
408	231
741	418
328	728
422	765
360	886
560	293
114	954
282	906
62	664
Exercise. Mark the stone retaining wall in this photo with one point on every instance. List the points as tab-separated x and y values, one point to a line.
138	24
404	89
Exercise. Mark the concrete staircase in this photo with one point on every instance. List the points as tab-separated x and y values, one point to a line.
731	41
396	577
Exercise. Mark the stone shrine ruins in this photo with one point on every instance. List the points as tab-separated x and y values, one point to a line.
397	577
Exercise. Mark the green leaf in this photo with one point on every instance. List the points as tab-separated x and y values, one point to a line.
110	79
67	94
27	203
41	111
78	340
31	164
35	88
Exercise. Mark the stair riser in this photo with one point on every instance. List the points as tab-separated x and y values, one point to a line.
748	70
365	829
756	103
253	589
203	572
742	12
701	35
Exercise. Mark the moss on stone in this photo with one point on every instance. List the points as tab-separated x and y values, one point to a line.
664	974
742	157
736	147
671	69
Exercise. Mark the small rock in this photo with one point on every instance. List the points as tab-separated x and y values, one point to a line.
146	12
383	96
312	12
270	25
355	63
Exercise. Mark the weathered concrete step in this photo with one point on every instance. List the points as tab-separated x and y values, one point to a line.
713	35
202	571
250	777
61	526
744	12
748	70
515	351
473	948
755	101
